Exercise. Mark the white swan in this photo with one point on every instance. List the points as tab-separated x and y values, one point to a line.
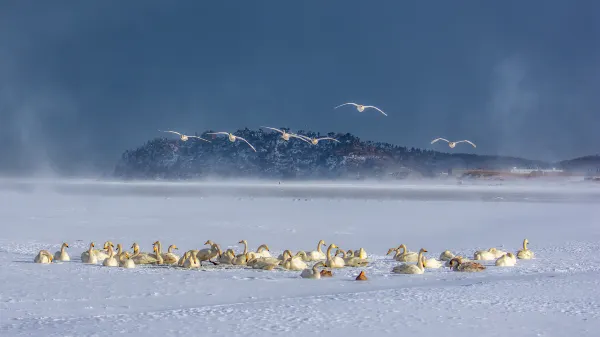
525	253
284	135
141	258
191	261
431	263
227	257
159	258
446	255
127	262
263	251
318	255
185	137
360	253
411	268
111	260
497	252
315	141
334	261
241	259
207	254
350	260
362	108
484	255
44	257
294	262
232	138
312	273
506	260
453	144
406	255
62	255
169	257
100	255
90	257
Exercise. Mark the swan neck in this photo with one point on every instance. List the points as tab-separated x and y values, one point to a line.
245	247
524	244
329	252
420	261
319	247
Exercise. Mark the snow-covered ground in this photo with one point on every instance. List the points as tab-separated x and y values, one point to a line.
557	294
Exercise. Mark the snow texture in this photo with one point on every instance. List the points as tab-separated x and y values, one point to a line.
556	294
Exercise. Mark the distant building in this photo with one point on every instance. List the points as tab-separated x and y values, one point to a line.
529	171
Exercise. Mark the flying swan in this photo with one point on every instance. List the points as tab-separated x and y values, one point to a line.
232	138
315	141
453	144
362	108
185	137
285	135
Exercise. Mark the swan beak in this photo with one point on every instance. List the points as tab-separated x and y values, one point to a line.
242	241
425	250
93	245
206	242
67	245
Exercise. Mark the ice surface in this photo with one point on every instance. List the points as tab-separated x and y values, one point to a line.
557	294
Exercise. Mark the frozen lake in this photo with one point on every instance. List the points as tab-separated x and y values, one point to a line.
554	295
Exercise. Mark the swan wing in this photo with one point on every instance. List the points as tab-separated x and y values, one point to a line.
435	140
246	142
170	131
466	141
328	138
376	108
346	104
274	129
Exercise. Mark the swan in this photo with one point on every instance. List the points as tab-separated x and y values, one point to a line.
62	255
44	257
446	255
90	257
232	138
127	262
185	138
315	141
100	255
506	260
265	263
411	268
312	273
453	144
294	262
227	257
169	257
362	108
317	255
350	260
431	263
284	135
463	259
497	252
263	251
191	261
111	260
458	264
361	253
159	258
206	254
485	255
120	255
334	261
242	259
406	256
525	253
141	258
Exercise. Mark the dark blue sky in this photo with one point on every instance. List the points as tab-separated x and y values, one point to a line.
82	81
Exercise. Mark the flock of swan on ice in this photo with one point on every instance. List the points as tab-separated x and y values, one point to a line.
412	262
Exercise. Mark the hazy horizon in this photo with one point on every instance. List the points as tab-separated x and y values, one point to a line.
81	82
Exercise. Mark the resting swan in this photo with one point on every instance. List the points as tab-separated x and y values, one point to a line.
360	253
485	255
446	256
159	259
463	259
497	252
294	262
405	255
227	257
264	263
525	253
141	258
127	262
90	257
506	260
411	268
191	261
318	255
431	263
312	273
111	260
263	251
241	259
350	260
62	255
169	257
43	256
206	254
334	261
100	255
457	264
